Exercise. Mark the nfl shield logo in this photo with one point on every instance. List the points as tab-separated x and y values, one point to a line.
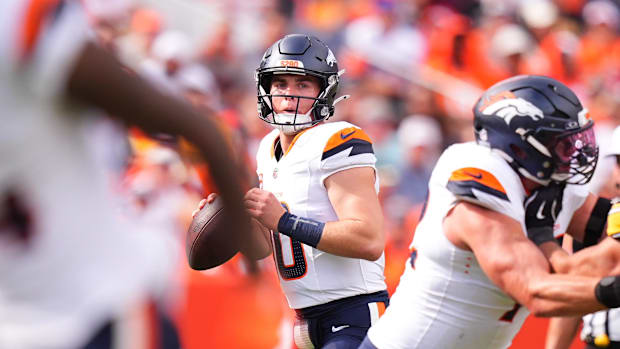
275	173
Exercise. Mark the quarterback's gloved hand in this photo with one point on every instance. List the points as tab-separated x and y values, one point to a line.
541	210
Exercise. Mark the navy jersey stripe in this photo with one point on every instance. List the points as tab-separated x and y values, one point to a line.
465	188
359	146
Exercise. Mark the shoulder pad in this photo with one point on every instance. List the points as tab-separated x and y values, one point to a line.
350	137
471	183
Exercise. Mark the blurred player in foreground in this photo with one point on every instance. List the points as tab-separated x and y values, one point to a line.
69	270
317	206
474	275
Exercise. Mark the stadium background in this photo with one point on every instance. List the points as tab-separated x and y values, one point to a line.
413	68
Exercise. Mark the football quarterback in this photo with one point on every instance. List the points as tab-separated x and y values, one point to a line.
317	201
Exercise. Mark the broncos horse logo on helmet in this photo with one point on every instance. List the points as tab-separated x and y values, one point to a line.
509	108
303	55
540	127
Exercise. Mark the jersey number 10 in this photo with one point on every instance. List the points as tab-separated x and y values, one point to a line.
299	266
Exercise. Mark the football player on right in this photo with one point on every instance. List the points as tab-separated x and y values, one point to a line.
475	271
600	329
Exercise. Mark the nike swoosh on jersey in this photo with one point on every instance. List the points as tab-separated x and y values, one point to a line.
346	135
466	181
349	138
539	214
339	328
477	175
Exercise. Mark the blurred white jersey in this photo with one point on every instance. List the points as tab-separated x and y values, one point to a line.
444	299
66	265
309	276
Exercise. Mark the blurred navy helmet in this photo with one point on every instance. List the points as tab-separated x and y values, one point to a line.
540	127
303	55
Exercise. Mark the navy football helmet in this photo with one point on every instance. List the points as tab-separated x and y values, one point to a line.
540	127
303	55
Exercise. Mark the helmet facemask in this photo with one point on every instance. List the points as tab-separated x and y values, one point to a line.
566	157
288	123
291	123
575	155
300	55
540	128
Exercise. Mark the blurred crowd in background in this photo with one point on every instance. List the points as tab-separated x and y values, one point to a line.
414	69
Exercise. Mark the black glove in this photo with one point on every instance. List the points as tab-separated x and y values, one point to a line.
542	208
607	291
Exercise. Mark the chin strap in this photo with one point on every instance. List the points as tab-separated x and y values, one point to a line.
341	98
291	128
332	84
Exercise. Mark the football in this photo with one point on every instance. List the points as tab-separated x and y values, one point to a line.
208	243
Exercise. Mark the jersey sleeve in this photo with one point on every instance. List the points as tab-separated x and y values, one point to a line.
347	148
480	187
476	174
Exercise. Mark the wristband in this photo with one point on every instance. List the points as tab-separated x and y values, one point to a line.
304	230
607	291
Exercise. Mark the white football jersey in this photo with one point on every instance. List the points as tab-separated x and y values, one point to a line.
445	300
66	264
309	276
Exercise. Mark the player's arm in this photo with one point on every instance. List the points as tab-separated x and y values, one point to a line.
258	245
514	263
97	78
358	233
599	260
603	258
587	225
561	332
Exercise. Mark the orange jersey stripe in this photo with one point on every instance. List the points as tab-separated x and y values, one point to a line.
344	136
275	141
34	17
481	176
